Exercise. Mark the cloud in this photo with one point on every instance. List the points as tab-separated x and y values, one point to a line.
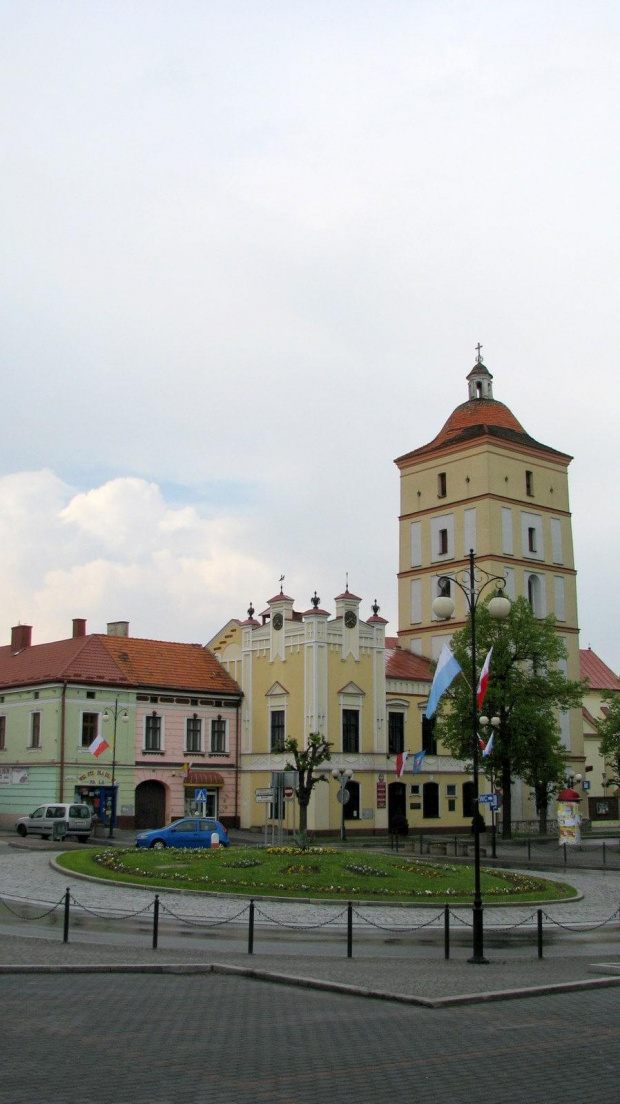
119	551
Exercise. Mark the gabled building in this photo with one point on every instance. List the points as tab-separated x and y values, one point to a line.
168	713
602	794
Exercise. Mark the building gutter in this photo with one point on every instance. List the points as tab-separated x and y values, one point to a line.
237	763
63	712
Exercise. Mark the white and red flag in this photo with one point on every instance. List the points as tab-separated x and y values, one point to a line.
401	759
489	746
98	746
483	681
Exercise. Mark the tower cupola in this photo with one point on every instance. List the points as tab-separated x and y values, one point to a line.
480	380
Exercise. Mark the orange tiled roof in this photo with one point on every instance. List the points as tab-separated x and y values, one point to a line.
118	661
400	663
598	674
475	418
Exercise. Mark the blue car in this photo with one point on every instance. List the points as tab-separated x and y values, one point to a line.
189	832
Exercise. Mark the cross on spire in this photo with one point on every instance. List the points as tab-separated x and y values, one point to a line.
478	358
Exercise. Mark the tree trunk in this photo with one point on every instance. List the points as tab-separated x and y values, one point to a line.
303	815
506	802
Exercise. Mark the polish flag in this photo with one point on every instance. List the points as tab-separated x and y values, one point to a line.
98	746
484	680
489	747
401	759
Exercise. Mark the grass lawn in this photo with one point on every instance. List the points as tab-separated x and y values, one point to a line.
322	873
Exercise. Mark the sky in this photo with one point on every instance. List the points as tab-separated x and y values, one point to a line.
248	250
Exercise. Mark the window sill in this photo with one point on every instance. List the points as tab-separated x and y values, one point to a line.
37	748
194	754
219	755
150	751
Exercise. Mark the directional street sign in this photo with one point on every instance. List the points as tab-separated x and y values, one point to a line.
263	793
486	799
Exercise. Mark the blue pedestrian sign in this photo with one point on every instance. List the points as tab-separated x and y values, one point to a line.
200	795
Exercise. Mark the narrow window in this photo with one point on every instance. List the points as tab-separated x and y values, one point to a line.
443	542
529	483
442	487
193	734
218	735
152	732
35	730
91	694
2	733
350	730
277	729
90	728
396	733
531	539
429	740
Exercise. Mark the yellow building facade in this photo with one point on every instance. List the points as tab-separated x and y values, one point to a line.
484	484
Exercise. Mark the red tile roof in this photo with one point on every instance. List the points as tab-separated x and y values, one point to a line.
598	674
117	661
402	664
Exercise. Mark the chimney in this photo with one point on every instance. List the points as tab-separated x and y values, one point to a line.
118	628
79	626
21	637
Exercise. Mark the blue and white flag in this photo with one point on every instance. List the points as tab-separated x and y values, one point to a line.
446	671
417	762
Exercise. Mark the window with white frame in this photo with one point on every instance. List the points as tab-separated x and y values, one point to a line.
350	731
35	730
153	732
396	732
277	729
193	734
218	735
442	537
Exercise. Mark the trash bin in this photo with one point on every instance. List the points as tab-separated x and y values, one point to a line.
59	830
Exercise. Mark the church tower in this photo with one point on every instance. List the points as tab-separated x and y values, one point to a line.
484	483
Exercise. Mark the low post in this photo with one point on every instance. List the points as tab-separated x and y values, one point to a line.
539	919
565	855
155	921
65	929
349	930
529	849
446	931
251	929
456	847
421	843
604	855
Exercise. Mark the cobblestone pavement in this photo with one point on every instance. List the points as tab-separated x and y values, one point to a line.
197	1040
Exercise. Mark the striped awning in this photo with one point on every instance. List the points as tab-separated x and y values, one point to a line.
203	778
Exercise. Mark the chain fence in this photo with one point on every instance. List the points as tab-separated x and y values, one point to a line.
355	923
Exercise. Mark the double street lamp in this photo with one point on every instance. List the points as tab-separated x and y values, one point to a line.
343	776
473	581
108	714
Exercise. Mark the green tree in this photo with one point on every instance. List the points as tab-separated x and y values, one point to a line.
526	687
306	761
609	731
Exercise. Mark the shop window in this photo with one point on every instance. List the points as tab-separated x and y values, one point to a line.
396	733
193	734
90	729
218	735
350	731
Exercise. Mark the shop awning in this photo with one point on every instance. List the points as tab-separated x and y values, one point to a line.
203	778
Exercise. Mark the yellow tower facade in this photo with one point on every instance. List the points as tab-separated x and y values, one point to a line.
484	484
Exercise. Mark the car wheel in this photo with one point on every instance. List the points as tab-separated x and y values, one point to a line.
158	845
22	830
83	839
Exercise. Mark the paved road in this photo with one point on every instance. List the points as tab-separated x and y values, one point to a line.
187	1040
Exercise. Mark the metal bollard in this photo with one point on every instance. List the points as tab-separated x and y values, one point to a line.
539	919
155	921
565	855
65	929
251	929
446	931
529	850
349	930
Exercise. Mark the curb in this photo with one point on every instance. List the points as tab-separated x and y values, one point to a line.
324	986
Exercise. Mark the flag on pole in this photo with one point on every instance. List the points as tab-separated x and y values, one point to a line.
483	681
417	762
401	759
489	747
446	671
98	746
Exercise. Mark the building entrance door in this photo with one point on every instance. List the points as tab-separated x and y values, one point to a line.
150	804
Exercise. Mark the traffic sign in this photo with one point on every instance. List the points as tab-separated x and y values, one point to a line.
263	793
487	799
343	796
289	792
263	797
200	795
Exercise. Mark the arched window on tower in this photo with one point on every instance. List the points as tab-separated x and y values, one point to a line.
534	595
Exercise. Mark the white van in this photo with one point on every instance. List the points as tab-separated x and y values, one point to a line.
47	821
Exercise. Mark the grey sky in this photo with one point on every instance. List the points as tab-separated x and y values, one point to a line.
248	250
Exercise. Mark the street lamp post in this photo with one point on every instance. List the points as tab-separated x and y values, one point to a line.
494	722
107	715
343	776
472	582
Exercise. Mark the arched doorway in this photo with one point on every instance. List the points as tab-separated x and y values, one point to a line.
430	800
150	804
397	802
469	800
